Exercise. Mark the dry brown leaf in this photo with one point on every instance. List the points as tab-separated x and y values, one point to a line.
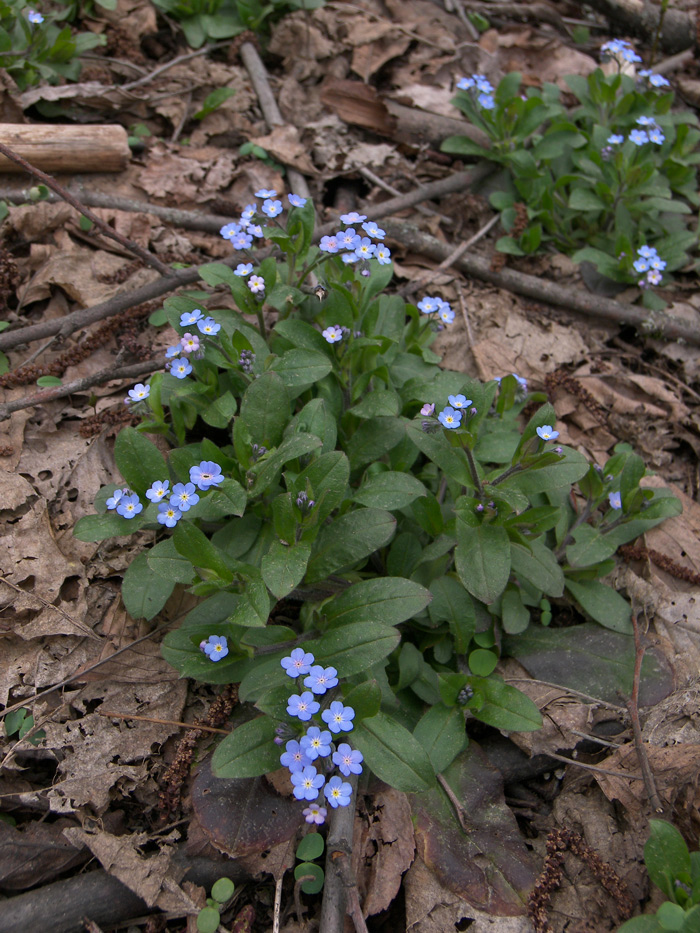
283	144
369	57
154	879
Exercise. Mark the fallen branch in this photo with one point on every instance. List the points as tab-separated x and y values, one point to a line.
258	76
658	324
337	888
188	220
641	18
79	385
63	193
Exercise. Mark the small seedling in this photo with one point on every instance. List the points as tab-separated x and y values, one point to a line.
209	917
311	847
19	723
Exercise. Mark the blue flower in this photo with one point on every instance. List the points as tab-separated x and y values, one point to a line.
622	49
639	137
449	418
307	783
486	101
658	80
333	334
295	757
35	17
216	647
347	239
242	240
184	496
656	136
208	326
365	248
168	515
615	500
616	139
303	707
337	717
338	792
466	84
206	474
371	229
483	84
243	268
321	679
173	351
316	743
645	121
115	498
229	230
352	218
348	759
446	313
641	264
296	200
459	401
158	491
138	393
180	368
349	258
428	305
272	208
547	433
129	506
248	212
299	662
315	814
266	193
190	317
382	254
648	252
255	230
328	244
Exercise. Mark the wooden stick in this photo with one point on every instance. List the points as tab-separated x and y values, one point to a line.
71	148
189	726
657	324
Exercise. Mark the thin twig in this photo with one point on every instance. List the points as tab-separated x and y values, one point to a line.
457	806
421	208
51	183
171	64
581	764
633	709
80	385
190	727
277	909
565	690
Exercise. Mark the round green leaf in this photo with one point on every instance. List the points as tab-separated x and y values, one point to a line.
482	662
310	847
314	884
222	890
208	920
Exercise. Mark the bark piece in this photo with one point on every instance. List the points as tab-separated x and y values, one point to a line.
102	148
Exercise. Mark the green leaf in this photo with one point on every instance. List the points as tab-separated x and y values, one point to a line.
602	603
571	468
328	478
373	438
315	884
99	527
143	593
515	616
198	549
389	490
47	381
222	890
310	847
642	924
390	600
227	499
265	410
590	548
365	699
462	145
214	100
377	404
166	561
452	604
437	448
393	754
482	559
502	706
208	920
349	539
442	734
666	856
483	662
139	461
301	368
671	916
248	752
284	566
354	649
221	411
538	567
583	199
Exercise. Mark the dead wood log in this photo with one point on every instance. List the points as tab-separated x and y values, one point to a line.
54	148
641	18
60	907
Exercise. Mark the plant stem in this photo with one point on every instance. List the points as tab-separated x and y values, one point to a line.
475	475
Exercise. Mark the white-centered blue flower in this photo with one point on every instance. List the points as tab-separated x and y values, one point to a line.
450	417
299	662
216	647
168	515
333	334
266	193
338	792
615	500
138	393
158	491
296	200
547	432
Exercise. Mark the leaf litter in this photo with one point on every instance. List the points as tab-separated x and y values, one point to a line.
68	616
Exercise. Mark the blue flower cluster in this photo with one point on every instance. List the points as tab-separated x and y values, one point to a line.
180	367
451	416
650	132
480	88
620	50
437	306
651	78
649	261
181	498
304	756
356	246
